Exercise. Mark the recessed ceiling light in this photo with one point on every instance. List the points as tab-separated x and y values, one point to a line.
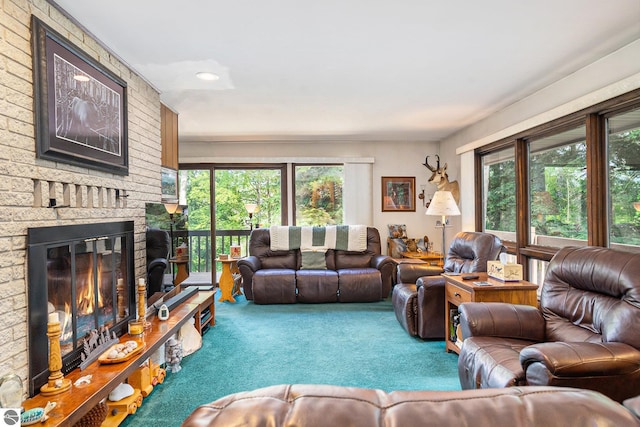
81	78
203	75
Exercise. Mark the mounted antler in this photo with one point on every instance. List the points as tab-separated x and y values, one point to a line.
431	168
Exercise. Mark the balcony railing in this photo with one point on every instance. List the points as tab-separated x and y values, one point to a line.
200	247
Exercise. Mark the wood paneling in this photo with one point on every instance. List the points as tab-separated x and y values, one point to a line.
597	165
169	137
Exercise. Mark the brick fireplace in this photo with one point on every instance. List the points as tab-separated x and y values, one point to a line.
84	274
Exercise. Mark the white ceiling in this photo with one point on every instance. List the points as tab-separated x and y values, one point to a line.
352	69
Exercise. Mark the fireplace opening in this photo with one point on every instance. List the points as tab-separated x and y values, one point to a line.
84	273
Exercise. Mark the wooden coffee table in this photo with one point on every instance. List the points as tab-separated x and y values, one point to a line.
458	291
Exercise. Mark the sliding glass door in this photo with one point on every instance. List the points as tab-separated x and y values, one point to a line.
246	198
227	202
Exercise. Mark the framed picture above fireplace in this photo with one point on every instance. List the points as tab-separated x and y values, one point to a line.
81	106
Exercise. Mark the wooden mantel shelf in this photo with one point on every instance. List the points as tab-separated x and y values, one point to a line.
73	404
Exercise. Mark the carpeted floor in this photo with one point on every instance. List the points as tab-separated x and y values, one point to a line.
252	346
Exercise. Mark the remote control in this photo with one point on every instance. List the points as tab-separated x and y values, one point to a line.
469	277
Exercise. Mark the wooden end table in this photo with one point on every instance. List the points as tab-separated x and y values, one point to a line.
182	270
429	257
458	291
229	267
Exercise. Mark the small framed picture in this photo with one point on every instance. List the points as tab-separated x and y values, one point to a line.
169	184
398	194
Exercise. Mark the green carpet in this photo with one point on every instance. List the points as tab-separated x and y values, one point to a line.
252	346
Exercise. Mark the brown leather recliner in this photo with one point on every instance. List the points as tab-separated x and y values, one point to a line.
418	297
584	335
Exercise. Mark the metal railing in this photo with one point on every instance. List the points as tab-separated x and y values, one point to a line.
200	248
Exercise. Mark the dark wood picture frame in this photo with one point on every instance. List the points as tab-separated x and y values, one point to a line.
80	106
398	194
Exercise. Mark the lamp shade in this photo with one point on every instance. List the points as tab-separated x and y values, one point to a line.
251	207
171	208
443	204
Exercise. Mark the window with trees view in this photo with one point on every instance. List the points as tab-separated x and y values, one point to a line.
499	184
318	194
236	188
558	189
576	182
623	137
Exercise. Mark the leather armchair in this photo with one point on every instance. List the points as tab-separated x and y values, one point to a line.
158	248
418	297
584	335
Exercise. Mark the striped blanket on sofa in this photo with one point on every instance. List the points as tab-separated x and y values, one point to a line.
339	237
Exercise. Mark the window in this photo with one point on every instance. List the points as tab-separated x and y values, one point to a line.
499	186
318	194
623	137
558	189
235	188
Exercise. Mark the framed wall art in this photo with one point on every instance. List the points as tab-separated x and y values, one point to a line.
80	105
169	184
398	194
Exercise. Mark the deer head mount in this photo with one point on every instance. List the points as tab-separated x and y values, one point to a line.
440	178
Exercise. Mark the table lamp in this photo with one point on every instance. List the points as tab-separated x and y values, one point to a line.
443	204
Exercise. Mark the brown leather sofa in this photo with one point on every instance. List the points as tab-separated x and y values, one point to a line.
276	277
325	405
584	335
418	297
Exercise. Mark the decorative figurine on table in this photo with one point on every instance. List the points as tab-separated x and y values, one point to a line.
173	355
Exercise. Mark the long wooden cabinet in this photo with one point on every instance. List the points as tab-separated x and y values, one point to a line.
72	405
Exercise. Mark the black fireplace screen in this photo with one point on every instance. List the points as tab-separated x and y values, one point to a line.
83	274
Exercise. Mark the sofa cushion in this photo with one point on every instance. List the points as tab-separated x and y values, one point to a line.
274	286
313	260
397	231
316	286
360	285
346	260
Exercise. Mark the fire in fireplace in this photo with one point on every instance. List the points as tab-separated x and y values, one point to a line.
85	274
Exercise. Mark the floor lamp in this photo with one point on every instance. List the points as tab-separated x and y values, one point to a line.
172	209
251	209
443	204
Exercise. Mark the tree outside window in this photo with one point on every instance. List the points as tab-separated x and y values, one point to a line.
318	195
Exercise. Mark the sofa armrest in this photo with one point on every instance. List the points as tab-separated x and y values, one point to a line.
580	359
160	263
251	262
503	320
248	266
380	261
386	266
611	368
410	273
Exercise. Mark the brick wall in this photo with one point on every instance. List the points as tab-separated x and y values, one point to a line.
27	183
